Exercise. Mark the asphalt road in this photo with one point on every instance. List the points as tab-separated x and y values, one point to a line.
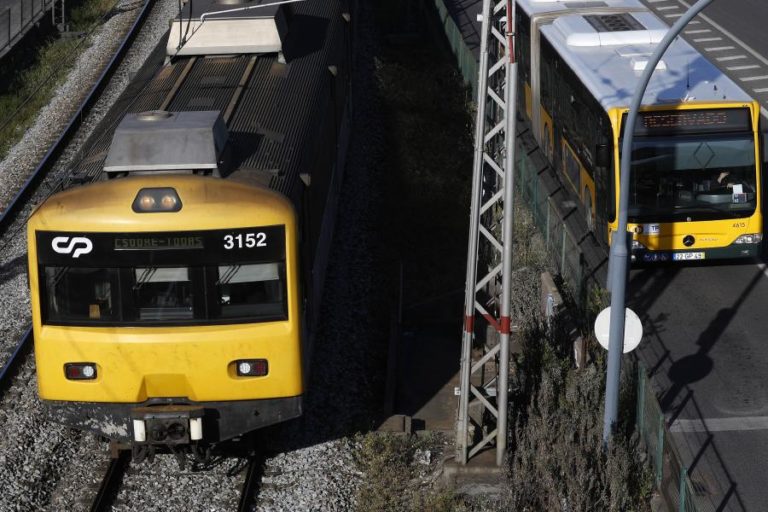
706	326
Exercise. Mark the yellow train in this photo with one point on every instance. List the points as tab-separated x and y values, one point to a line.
173	298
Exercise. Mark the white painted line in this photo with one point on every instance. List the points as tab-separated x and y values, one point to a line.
762	89
707	39
655	1
728	34
720	48
753	78
674	15
732	57
740	68
667	7
735	424
698	31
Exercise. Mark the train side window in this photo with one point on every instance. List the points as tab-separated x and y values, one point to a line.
251	291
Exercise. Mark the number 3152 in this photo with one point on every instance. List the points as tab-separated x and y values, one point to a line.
245	241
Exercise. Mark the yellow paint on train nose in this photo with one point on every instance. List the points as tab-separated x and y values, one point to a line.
165	385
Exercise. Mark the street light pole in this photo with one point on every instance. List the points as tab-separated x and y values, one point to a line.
620	240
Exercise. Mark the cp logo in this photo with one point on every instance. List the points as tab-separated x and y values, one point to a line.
75	246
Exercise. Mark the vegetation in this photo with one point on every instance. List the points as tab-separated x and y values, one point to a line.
400	472
32	71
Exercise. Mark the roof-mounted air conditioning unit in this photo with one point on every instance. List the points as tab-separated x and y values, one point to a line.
227	27
609	29
160	141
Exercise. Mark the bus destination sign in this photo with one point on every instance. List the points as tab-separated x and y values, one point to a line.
666	122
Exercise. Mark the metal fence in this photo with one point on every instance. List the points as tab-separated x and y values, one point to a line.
16	19
671	475
562	244
466	59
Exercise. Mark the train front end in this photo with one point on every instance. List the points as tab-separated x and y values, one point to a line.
166	309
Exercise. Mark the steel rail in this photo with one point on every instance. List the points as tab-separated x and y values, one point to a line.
13	363
49	160
110	483
251	483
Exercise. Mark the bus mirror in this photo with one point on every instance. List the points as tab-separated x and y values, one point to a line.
602	155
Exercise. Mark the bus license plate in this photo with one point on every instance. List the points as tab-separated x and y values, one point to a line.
686	256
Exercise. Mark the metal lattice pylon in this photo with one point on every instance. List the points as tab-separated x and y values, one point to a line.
482	414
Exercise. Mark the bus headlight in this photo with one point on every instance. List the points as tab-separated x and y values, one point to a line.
754	238
637	246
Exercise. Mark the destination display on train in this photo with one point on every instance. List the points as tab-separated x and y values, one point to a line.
668	122
84	249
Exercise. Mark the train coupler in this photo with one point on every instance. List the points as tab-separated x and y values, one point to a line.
169	425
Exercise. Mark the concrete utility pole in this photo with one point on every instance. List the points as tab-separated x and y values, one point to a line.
620	242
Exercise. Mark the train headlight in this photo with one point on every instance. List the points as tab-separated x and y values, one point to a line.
80	371
252	367
154	200
755	238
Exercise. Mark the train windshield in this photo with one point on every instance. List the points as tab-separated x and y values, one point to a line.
169	295
690	178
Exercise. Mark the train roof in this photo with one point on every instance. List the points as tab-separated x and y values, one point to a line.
607	44
274	129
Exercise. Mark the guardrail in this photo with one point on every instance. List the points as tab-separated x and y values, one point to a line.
15	20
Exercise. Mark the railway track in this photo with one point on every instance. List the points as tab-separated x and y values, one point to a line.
110	483
249	490
11	367
76	120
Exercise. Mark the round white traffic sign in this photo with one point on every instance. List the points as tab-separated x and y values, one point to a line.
633	329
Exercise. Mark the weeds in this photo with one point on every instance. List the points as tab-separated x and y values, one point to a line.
399	473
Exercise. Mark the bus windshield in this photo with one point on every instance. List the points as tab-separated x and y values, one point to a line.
166	295
690	178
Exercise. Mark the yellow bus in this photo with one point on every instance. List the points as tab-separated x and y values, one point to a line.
695	177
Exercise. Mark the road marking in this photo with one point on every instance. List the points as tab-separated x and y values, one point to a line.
735	424
732	57
762	89
740	68
699	31
729	35
764	268
753	78
707	39
677	15
733	38
667	7
720	48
